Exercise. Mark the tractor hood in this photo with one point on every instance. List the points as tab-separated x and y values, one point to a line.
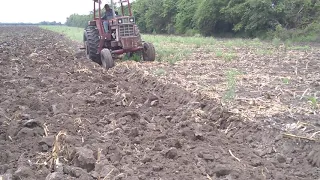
123	20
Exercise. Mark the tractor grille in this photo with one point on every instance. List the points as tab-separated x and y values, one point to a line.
126	30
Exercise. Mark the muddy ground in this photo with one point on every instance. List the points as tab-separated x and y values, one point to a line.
64	117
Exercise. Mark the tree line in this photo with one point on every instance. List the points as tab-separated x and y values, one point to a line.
30	24
245	18
76	20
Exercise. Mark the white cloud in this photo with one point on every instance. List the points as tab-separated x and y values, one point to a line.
34	11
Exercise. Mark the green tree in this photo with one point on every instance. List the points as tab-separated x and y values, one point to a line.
209	19
139	7
213	17
77	20
184	19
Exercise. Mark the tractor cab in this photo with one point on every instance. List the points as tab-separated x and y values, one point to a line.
118	34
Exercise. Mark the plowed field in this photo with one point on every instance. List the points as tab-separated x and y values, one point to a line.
64	117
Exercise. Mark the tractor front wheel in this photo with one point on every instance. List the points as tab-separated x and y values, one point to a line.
106	59
148	53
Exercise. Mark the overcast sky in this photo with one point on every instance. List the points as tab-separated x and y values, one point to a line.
34	11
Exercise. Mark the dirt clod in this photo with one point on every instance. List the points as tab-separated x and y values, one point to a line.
314	157
157	167
154	103
105	169
158	147
134	132
281	158
32	123
27	132
84	158
146	159
47	140
6	177
55	176
222	171
23	172
77	172
172	153
208	157
175	143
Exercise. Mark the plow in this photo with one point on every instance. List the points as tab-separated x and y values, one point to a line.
110	34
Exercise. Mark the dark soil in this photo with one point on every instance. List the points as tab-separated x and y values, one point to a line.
64	117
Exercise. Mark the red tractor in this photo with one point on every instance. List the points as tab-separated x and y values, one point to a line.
122	36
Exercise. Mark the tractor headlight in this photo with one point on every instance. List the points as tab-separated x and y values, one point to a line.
131	20
119	21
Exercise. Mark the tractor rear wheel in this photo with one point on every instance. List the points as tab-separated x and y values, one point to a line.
148	52
106	59
91	42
